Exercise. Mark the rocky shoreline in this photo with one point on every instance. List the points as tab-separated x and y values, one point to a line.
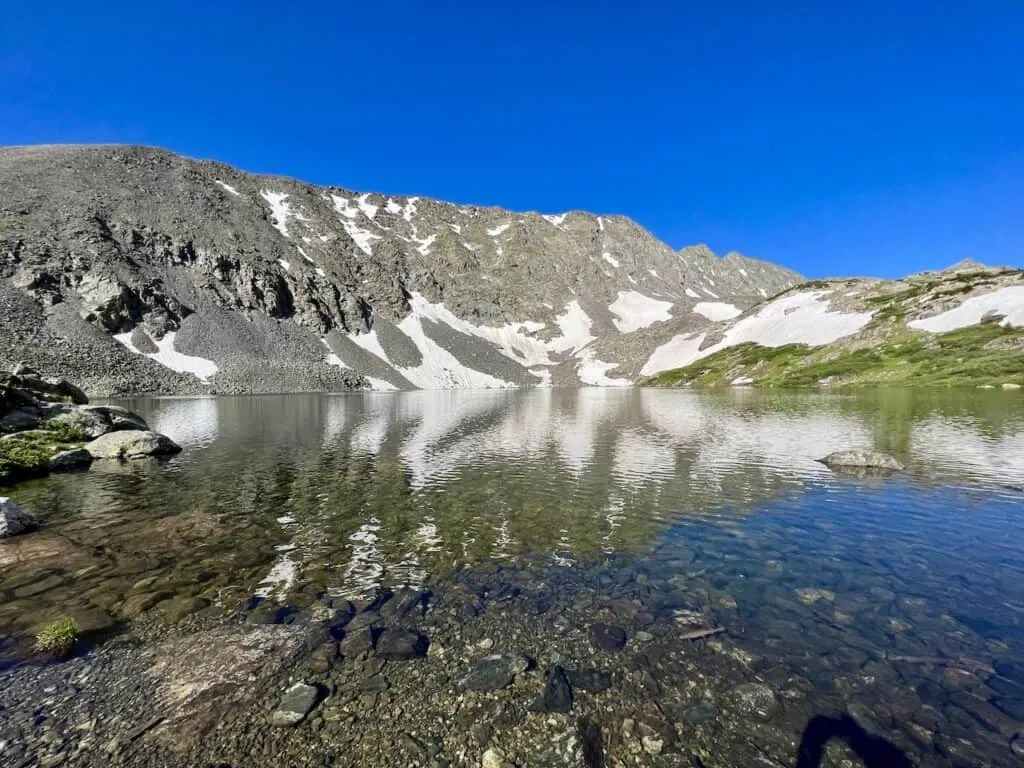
47	425
492	666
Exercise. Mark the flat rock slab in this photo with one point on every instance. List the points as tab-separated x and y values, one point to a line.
297	702
132	444
401	645
861	460
14	521
493	673
197	680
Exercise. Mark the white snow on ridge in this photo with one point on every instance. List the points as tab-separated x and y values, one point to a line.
410	208
1007	301
556	220
681	347
692	293
716	310
610	259
361	237
634	310
424	244
280	210
228	187
709	292
654	273
287	265
600	224
743	272
392	207
575	326
369	210
168	357
802	318
495	231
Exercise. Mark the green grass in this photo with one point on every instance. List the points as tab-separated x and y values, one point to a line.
58	637
27	454
978	355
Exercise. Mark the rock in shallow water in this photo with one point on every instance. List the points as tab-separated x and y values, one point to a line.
861	460
68	461
590	680
401	645
557	696
756	700
492	673
297	702
608	638
13	520
135	444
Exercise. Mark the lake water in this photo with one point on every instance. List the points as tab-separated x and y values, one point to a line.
897	599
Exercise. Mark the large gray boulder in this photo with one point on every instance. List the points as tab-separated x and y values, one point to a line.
135	444
14	520
861	459
69	461
88	422
118	417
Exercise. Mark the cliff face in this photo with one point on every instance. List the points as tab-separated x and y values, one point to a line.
131	269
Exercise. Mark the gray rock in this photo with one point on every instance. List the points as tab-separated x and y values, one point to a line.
119	418
357	642
494	672
608	638
90	422
756	700
297	702
14	521
557	696
861	459
401	645
19	420
132	445
68	461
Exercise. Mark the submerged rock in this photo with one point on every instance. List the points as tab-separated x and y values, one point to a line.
401	645
557	696
135	444
857	459
590	680
297	702
493	673
756	699
608	638
13	520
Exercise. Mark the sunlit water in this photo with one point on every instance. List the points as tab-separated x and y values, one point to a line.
291	497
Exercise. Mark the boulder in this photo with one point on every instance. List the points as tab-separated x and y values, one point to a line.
861	459
68	461
401	645
13	520
608	638
557	695
136	444
90	423
118	417
18	420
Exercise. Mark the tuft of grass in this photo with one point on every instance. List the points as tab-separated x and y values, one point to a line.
58	637
63	432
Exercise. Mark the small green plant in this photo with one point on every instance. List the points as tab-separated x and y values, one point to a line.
58	637
63	432
24	457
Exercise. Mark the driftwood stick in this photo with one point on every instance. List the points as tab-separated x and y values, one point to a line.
700	634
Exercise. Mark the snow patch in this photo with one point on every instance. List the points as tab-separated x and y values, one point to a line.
303	254
692	293
424	244
410	208
229	188
575	326
668	355
600	224
654	273
610	259
495	231
763	292
361	237
743	272
595	372
1005	301
287	265
634	310
456	228
369	210
716	310
709	292
380	385
392	207
280	210
166	355
320	272
556	220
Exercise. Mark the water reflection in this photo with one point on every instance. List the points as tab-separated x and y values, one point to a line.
289	496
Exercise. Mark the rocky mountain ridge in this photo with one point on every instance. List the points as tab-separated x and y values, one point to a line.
132	269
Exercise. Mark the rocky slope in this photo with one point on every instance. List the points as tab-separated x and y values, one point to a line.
959	326
131	269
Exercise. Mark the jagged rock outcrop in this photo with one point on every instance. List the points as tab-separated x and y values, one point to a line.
137	270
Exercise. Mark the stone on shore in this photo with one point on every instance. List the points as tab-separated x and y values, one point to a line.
127	445
68	461
13	520
861	459
296	703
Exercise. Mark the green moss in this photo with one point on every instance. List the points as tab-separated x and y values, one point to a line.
978	355
58	637
27	454
63	432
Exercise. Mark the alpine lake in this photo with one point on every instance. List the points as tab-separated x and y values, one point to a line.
592	577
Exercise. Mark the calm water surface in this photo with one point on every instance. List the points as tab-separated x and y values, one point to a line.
289	497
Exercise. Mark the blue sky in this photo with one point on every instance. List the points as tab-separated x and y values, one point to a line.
856	137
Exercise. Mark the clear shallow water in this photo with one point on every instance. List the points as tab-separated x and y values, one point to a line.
900	595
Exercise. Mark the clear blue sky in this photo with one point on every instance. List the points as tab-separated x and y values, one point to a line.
834	137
